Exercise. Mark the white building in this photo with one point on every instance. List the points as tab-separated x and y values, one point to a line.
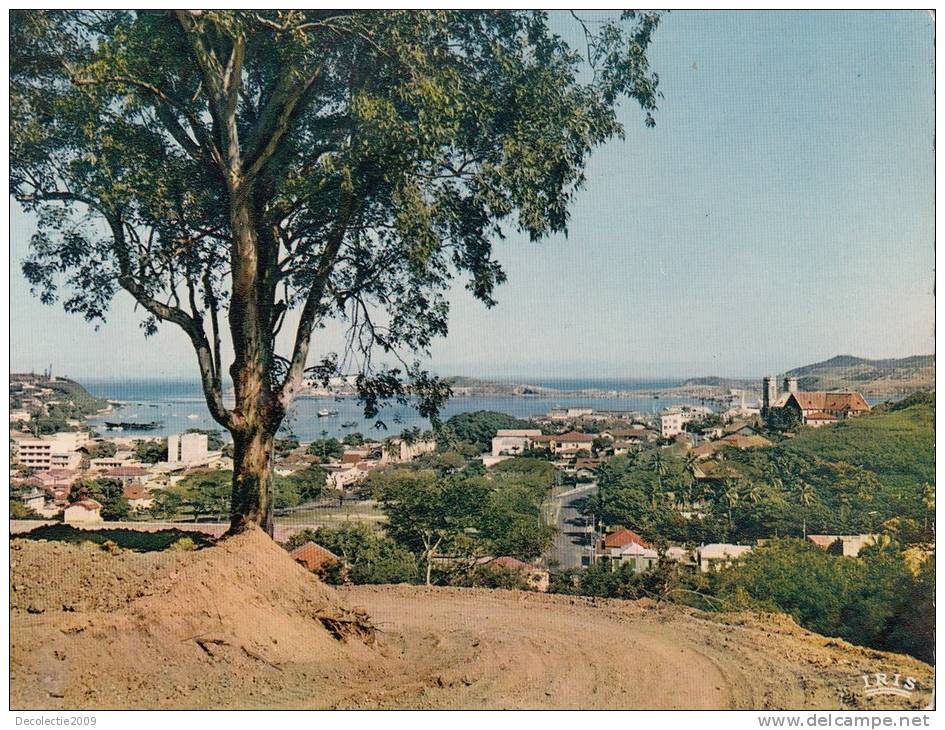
187	448
716	556
86	511
52	451
513	441
19	415
671	424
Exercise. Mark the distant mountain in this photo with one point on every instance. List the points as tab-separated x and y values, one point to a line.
880	377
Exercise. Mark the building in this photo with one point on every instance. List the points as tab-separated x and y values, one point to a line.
672	424
314	557
566	444
19	415
39	453
813	408
513	441
86	511
568	414
129	474
187	448
847	545
138	497
716	556
536	578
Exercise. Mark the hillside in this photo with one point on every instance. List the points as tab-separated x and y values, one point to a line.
875	377
897	443
239	625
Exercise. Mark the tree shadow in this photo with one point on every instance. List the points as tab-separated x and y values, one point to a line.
139	541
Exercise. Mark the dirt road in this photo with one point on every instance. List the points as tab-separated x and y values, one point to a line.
240	625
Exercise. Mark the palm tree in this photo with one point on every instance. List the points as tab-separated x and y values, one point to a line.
753	492
928	501
730	495
805	497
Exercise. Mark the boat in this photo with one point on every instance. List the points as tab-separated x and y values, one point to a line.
193	417
132	426
349	424
327	412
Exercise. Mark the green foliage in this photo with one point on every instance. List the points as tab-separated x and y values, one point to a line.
872	600
369	557
151	452
102	450
355	438
464	514
206	492
285	446
308	483
108	493
325	449
19	511
897	445
326	161
478	428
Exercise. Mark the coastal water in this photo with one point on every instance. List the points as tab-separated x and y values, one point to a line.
180	405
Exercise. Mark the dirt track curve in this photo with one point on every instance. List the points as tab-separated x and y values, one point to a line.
240	625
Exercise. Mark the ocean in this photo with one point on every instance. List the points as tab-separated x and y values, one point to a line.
179	405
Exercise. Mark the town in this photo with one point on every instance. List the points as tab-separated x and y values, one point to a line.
85	479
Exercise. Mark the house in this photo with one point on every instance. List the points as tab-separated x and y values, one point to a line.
638	557
129	474
566	444
714	471
847	545
616	546
19	415
138	497
35	500
513	441
536	578
735	441
314	557
83	512
716	556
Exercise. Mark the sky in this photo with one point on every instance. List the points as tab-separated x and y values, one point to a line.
781	212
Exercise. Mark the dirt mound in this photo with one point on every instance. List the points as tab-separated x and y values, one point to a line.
239	624
211	627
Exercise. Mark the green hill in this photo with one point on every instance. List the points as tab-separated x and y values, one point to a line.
895	442
878	377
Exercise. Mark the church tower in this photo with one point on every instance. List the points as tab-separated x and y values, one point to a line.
769	392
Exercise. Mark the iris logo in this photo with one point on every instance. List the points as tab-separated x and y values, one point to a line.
880	683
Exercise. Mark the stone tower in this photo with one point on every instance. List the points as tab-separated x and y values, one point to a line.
769	392
790	385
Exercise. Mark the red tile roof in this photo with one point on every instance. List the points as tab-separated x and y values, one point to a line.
127	471
623	537
823	401
135	491
575	436
87	504
512	563
313	556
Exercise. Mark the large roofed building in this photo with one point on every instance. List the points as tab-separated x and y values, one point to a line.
814	408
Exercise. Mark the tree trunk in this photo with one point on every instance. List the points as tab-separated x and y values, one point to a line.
252	480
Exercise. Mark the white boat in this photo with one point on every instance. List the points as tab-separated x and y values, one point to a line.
193	417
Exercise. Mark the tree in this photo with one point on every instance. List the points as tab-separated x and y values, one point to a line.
226	167
430	514
151	452
325	449
356	438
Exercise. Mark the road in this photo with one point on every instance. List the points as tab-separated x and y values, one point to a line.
573	537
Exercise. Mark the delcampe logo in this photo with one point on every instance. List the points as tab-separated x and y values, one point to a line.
880	683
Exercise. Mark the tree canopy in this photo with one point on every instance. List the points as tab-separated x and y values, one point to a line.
260	174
